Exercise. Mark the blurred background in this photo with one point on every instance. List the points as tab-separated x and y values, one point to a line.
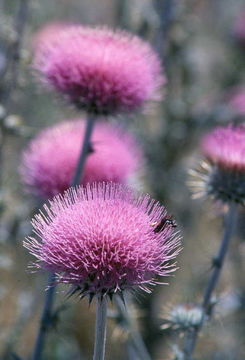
202	46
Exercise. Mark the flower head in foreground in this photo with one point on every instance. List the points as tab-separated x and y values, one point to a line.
102	239
49	161
223	174
100	70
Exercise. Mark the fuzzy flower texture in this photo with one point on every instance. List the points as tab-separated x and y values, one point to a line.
49	161
101	239
100	71
225	147
225	150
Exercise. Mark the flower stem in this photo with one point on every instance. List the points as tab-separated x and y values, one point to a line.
229	227
84	151
46	318
135	338
100	329
165	11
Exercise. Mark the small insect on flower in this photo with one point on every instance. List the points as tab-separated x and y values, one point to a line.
163	223
99	239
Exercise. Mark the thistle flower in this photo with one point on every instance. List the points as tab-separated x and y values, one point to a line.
222	175
101	71
49	161
183	317
102	240
225	147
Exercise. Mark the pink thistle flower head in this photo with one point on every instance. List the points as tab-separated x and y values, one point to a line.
102	239
100	70
225	147
223	175
49	161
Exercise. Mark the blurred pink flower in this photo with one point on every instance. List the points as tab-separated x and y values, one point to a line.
99	70
222	176
48	34
49	161
237	100
225	147
239	27
102	240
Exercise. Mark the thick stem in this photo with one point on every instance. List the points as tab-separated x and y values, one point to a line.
122	18
100	329
131	352
135	338
229	227
46	317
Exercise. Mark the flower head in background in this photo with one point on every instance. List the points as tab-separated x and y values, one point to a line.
100	70
237	100
222	175
49	161
239	27
225	147
101	239
182	317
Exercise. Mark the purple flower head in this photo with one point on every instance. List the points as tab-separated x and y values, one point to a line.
50	159
225	147
182	317
223	174
100	70
102	239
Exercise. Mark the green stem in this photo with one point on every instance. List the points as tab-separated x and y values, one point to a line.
229	227
135	338
46	318
100	329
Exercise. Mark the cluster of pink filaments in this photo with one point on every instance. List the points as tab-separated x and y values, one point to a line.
225	147
49	161
99	70
103	239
